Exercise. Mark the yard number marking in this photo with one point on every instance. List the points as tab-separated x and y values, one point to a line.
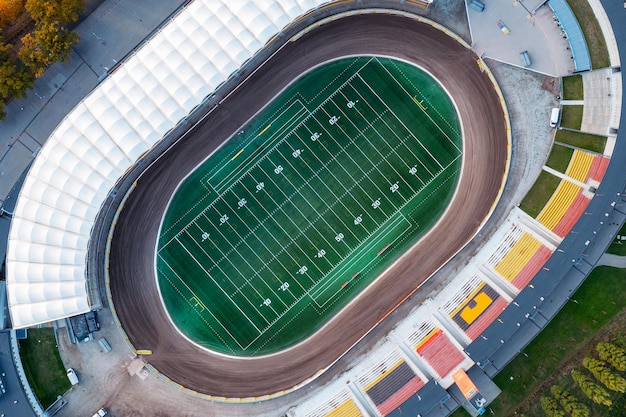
223	219
284	286
205	236
394	187
376	203
260	186
333	120
241	203
278	169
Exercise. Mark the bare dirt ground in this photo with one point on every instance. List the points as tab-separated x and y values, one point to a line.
132	282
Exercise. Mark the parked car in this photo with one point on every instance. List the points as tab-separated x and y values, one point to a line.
71	375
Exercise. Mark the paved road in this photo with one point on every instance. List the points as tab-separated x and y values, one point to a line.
132	281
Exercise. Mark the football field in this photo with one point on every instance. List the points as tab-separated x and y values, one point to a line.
300	210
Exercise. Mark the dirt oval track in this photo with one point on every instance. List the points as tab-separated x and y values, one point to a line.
132	282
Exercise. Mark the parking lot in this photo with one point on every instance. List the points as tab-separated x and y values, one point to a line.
522	29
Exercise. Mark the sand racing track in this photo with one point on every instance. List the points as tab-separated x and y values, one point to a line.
133	285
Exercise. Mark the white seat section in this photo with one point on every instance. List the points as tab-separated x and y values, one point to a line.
105	134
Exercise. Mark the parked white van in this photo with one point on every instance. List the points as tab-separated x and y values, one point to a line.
71	375
554	117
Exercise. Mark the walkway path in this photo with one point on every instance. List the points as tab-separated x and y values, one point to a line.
107	35
612	260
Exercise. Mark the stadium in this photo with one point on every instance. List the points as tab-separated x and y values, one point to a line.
266	188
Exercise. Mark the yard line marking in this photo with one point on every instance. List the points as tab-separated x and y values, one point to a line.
275	254
217	320
422	107
362	249
370	124
291	238
228	277
452	128
331	156
216	283
245	259
401	122
319	216
265	264
375	147
269	144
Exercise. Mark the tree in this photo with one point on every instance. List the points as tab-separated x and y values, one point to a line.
595	392
569	402
614	355
47	44
9	11
551	407
58	11
604	375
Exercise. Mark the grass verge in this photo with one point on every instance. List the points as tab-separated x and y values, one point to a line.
593	33
618	247
559	158
581	140
43	366
539	194
598	315
572	117
573	87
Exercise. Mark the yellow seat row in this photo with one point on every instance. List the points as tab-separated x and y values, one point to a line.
518	257
346	409
579	165
558	204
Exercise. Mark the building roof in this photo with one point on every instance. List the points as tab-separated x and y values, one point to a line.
103	136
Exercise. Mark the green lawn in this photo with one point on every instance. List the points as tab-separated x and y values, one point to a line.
593	34
573	87
572	116
562	344
540	193
304	207
43	366
581	140
559	158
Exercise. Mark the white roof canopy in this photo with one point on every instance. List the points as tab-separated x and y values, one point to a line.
105	134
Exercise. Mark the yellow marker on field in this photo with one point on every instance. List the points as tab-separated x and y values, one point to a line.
265	130
143	352
198	303
419	103
236	155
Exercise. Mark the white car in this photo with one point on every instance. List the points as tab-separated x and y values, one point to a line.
71	375
101	412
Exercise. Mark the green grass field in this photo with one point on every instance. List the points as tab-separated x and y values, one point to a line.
43	366
299	211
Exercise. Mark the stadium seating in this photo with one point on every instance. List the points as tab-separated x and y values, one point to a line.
394	388
558	204
579	165
598	168
341	405
439	352
474	306
523	260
